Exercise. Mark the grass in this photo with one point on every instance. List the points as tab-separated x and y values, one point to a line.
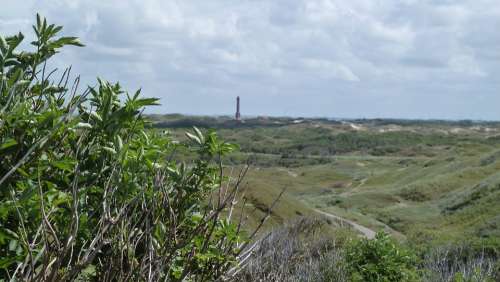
435	178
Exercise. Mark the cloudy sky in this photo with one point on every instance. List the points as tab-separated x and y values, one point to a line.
333	58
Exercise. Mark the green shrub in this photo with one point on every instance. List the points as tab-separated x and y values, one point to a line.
88	193
380	259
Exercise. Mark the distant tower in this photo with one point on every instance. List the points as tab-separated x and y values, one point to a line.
238	115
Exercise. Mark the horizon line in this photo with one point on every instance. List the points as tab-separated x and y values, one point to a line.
231	116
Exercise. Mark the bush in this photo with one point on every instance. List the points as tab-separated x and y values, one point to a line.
380	259
298	251
459	263
88	193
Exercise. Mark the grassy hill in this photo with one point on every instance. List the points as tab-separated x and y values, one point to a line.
427	181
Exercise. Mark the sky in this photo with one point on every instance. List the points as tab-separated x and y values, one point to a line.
313	58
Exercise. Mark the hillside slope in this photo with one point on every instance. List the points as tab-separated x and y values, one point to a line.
422	180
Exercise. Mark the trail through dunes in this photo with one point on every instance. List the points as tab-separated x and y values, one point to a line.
367	232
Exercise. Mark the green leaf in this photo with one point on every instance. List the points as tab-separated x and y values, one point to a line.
83	125
109	150
119	143
8	143
193	138
66	41
23	172
38	21
13	245
27	194
199	134
66	165
146	102
6	261
96	116
3	45
56	29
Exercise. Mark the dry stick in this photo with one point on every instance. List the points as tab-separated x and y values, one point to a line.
41	253
221	173
266	216
107	190
74	229
186	270
149	228
66	72
65	78
242	259
217	211
24	234
132	245
236	187
46	222
238	183
205	245
232	198
198	229
28	260
240	219
227	198
172	234
64	251
68	245
50	230
11	96
28	245
38	101
44	215
201	226
150	248
96	243
130	238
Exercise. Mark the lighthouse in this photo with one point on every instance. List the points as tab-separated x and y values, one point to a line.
237	116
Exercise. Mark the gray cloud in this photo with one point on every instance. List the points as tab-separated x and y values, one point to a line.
356	58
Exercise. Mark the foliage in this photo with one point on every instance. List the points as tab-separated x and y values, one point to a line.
380	259
458	263
297	251
315	137
88	193
301	250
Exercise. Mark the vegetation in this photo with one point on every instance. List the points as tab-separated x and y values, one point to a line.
87	193
425	181
300	250
91	190
436	188
308	249
380	259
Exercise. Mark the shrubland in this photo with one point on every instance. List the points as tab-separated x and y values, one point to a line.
431	185
301	251
431	181
88	193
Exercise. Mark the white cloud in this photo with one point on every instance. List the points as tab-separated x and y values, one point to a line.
328	69
198	55
466	64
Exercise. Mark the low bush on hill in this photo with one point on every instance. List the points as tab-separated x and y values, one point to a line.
380	259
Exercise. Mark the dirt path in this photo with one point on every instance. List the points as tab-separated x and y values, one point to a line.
367	232
290	173
362	182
